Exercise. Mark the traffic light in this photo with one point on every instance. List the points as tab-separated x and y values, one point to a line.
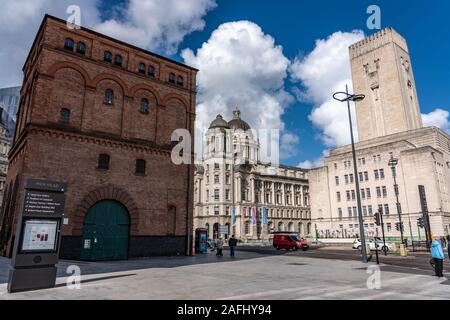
421	222
377	219
399	226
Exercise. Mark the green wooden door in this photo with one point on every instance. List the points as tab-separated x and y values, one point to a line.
105	232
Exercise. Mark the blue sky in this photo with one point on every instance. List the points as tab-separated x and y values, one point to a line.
293	25
297	24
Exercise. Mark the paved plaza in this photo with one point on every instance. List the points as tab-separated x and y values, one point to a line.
252	275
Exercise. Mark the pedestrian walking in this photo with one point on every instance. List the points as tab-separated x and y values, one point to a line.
233	244
438	256
448	246
443	242
219	247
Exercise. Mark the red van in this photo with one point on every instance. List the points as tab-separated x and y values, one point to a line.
289	242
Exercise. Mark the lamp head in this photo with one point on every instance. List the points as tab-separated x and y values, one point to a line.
358	97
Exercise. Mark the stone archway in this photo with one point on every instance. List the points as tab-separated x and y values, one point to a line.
106	193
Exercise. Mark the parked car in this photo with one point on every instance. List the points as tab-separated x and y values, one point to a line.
289	242
371	242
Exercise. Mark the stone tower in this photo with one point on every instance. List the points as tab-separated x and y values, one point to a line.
381	69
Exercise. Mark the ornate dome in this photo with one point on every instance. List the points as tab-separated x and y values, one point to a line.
219	123
237	122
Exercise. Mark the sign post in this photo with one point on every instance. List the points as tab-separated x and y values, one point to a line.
36	245
425	216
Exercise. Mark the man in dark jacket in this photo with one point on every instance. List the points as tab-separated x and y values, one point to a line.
233	244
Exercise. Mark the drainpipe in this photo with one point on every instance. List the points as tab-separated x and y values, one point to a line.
188	125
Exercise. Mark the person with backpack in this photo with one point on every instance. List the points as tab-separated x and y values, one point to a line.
438	256
233	244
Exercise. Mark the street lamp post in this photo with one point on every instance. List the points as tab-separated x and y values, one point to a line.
393	164
346	97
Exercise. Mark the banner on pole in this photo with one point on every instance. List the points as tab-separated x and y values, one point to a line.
264	215
254	216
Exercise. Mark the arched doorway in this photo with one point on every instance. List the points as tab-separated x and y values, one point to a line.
291	227
105	232
270	226
228	229
280	226
300	228
207	231
215	231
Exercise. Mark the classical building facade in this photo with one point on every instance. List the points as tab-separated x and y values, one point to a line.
389	126
98	114
235	190
9	103
5	146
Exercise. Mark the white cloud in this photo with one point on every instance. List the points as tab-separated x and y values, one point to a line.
321	73
438	118
19	23
288	145
319	162
242	66
152	24
157	24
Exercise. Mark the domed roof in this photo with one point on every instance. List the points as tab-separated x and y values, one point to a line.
219	123
237	122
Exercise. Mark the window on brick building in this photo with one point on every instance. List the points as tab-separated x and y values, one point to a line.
68	44
109	97
171	77
103	161
141	68
140	166
64	115
81	48
151	71
144	106
107	57
118	60
180	81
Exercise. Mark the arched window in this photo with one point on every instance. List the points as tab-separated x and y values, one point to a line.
109	97
141	68
247	227
107	57
140	166
172	78
81	48
68	44
103	161
144	106
64	115
180	81
118	60
151	71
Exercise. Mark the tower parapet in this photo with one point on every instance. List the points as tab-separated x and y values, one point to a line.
377	40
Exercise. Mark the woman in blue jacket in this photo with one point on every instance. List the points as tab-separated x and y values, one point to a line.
438	256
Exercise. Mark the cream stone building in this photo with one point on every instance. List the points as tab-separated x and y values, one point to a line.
236	191
389	125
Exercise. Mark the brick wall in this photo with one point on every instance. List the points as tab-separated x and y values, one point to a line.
46	148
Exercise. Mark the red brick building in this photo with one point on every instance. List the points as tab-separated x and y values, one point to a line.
98	114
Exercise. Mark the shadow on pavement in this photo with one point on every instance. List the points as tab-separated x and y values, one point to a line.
98	279
102	267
